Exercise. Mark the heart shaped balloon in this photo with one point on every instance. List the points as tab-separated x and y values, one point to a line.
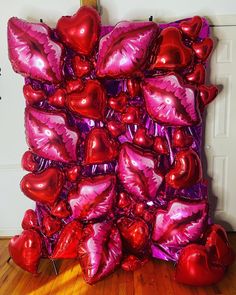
32	95
191	27
119	103
61	209
74	85
58	98
132	263
142	139
133	87
93	198
99	250
44	187
137	172
131	115
160	145
198	75
181	138
50	225
126	50
186	170
207	93
32	51
25	250
73	172
49	135
116	128
203	49
81	67
90	102
28	162
170	102
67	243
30	220
80	31
195	267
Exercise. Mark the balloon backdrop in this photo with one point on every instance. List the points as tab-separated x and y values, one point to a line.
113	124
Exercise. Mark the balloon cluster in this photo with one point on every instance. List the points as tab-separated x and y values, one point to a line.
113	124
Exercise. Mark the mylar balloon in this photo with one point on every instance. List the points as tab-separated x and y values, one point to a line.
32	52
30	220
192	26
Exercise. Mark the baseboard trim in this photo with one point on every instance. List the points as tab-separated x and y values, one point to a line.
9	232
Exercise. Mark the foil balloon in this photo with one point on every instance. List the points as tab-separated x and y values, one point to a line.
44	187
58	98
172	53
180	224
181	138
32	95
126	50
30	220
196	268
133	87
170	102
81	67
25	250
49	135
116	128
93	198
60	209
186	170
131	115
142	139
68	240
32	51
74	85
203	49
207	94
137	172
73	173
80	31
28	162
100	251
119	103
198	75
192	26
50	225
132	263
160	145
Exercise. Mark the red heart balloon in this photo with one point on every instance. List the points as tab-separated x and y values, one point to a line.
61	209
28	162
132	263
218	243
186	171
25	250
123	200
133	87
72	173
195	267
50	225
58	98
142	139
90	102
131	116
74	85
181	138
100	147
81	66
80	31
116	128
134	232
68	241
31	95
43	187
207	93
119	103
203	49
172	54
160	145
30	220
198	75
191	27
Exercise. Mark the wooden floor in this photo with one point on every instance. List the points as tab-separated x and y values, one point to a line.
155	278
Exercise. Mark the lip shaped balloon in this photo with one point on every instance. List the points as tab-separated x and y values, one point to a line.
81	30
172	53
44	187
186	170
93	198
25	250
99	250
49	135
126	50
90	102
180	224
196	268
137	172
169	101
32	52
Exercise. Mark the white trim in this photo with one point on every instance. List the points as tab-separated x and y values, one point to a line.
10	231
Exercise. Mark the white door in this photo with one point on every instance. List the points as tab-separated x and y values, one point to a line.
220	135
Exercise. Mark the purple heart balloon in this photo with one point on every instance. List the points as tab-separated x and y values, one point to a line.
94	197
32	52
126	50
49	136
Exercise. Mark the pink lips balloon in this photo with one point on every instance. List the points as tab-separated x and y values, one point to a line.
137	173
94	197
32	52
126	50
169	101
49	135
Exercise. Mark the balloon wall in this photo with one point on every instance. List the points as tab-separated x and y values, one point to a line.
113	121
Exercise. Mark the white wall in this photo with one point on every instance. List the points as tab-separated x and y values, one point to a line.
12	143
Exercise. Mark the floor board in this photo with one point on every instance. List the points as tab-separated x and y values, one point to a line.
155	277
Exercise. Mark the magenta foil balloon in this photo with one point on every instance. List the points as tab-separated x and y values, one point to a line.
126	50
137	172
169	101
49	136
99	250
32	52
94	197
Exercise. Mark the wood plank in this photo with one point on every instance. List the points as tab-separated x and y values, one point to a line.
155	277
93	3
